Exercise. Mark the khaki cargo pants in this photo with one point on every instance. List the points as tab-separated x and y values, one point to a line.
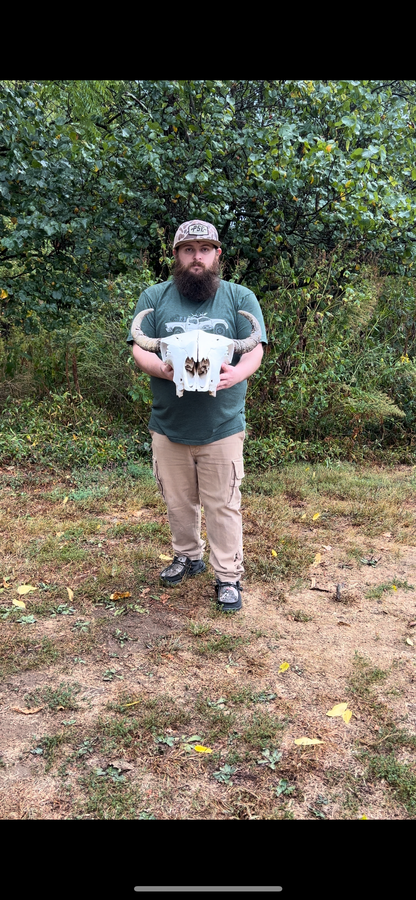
210	476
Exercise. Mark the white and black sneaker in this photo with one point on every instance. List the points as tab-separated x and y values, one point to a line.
181	567
228	595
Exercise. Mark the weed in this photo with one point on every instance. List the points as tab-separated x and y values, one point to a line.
61	697
106	798
398	776
48	745
365	676
271	758
262	730
223	775
226	643
298	615
377	592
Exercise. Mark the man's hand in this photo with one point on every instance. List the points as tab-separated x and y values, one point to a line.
229	377
151	364
166	371
248	364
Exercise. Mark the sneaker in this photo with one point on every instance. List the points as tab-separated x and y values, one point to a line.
180	568
228	595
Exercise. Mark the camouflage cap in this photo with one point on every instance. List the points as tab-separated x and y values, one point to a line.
196	230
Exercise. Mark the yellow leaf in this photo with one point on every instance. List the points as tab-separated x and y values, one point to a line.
25	589
19	603
364	817
317	559
409	641
165	558
119	595
346	716
201	749
284	666
337	710
304	516
315	517
65	501
394	587
26	712
3	295
274	553
305	742
70	594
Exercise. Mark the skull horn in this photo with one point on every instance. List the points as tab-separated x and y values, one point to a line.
254	338
146	343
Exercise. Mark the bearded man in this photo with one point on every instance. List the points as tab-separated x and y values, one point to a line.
197	439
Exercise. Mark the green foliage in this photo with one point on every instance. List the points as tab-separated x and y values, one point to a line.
311	186
65	430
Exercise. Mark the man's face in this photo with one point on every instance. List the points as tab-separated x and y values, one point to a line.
197	256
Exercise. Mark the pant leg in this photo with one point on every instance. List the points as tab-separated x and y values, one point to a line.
220	472
176	474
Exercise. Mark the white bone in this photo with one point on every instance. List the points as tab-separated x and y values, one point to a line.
196	346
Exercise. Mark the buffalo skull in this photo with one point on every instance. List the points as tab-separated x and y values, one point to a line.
196	356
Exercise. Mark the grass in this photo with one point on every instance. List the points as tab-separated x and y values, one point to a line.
61	697
377	592
182	671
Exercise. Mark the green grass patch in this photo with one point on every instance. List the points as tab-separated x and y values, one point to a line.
399	776
377	592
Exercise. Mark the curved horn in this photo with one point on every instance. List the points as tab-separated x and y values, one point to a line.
146	343
254	338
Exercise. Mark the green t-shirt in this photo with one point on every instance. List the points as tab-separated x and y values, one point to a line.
197	417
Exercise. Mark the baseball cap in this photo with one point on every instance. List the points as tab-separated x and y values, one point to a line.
196	230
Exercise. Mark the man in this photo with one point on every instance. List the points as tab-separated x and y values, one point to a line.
197	439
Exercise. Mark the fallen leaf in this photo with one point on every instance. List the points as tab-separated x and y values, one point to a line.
409	641
317	559
120	595
145	591
65	501
284	666
25	589
304	516
19	603
200	749
315	517
346	716
59	533
305	741
165	558
26	712
363	817
274	553
338	709
164	597
70	593
326	548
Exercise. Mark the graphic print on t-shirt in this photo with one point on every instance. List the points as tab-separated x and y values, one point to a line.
181	324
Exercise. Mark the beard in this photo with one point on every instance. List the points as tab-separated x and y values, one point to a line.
197	286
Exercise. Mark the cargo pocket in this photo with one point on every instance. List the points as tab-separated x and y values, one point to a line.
237	475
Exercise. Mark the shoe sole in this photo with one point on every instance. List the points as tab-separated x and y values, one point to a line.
173	582
229	608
